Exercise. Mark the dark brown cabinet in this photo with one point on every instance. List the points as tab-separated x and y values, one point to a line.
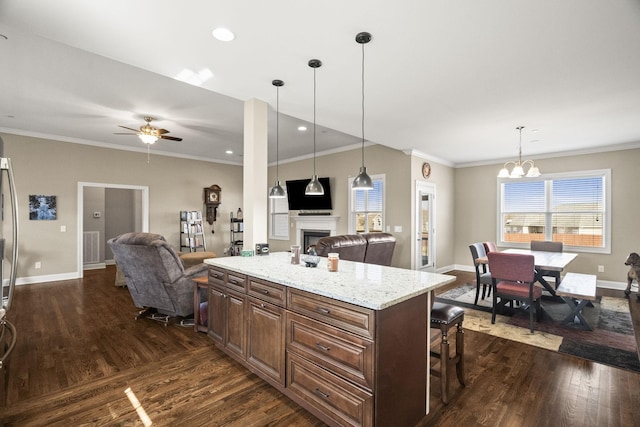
346	364
226	311
265	346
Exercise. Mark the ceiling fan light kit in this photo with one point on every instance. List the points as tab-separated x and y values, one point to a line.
149	134
363	180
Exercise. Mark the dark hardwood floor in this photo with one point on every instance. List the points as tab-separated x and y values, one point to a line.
79	348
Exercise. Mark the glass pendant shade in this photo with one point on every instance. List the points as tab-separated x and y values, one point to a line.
314	188
277	192
362	181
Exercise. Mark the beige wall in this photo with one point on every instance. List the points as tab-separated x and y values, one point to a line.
400	171
476	208
55	168
465	198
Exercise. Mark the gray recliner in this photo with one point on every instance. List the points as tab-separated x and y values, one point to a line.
155	275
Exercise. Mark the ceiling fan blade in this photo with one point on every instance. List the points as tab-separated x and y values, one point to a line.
135	130
170	138
162	131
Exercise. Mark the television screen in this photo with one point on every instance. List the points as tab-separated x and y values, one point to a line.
298	201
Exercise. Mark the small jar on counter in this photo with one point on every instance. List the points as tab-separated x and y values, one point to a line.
295	254
332	261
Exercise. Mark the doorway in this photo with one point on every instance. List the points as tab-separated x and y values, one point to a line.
139	210
424	227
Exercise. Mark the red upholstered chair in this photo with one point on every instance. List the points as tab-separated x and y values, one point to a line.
490	247
514	280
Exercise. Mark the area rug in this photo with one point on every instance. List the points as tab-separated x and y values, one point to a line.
612	341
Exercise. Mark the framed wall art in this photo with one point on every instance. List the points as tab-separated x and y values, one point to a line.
42	207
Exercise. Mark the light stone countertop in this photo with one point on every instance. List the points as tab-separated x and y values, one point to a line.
366	285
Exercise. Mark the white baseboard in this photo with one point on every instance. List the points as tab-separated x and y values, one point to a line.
94	266
48	278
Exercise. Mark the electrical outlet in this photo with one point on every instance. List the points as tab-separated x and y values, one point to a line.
63	228
38	264
601	269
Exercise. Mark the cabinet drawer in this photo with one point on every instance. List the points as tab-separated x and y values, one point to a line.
338	399
237	282
343	315
216	276
344	353
267	291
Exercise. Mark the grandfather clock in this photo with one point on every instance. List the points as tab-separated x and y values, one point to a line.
212	196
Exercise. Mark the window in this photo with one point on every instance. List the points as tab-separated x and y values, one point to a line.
573	208
278	218
366	207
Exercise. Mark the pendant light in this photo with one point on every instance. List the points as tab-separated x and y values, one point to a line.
314	188
277	192
518	165
363	180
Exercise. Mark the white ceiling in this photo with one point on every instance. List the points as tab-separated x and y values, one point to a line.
450	79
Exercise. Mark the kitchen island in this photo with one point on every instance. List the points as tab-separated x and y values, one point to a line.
349	346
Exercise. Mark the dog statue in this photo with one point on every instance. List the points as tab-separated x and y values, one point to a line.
634	272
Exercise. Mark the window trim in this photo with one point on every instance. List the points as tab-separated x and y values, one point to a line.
272	203
605	173
351	215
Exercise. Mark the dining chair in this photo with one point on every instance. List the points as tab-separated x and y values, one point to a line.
514	280
490	247
483	277
548	246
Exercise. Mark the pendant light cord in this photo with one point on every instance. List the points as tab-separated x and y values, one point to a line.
277	132
314	121
362	104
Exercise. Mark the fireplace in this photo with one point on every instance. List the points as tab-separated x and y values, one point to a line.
325	224
311	237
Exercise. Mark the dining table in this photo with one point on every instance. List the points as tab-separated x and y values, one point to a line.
543	260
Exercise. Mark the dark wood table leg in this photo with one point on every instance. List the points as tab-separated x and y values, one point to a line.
576	307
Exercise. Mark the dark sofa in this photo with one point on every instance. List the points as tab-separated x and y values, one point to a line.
371	248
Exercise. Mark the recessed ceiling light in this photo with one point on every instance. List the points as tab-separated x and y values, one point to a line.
302	128
223	34
229	152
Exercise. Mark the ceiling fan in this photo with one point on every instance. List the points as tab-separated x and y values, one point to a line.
149	134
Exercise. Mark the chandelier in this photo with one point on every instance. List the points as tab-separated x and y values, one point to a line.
518	166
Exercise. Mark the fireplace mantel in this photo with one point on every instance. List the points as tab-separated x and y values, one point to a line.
315	222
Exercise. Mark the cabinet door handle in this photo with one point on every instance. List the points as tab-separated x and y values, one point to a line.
266	292
262	305
324	310
321	394
322	347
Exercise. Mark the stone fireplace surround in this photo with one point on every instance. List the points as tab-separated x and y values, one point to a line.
314	223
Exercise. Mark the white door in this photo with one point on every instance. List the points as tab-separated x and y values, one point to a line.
424	227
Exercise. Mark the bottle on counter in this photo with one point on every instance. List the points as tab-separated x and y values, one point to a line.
239	214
